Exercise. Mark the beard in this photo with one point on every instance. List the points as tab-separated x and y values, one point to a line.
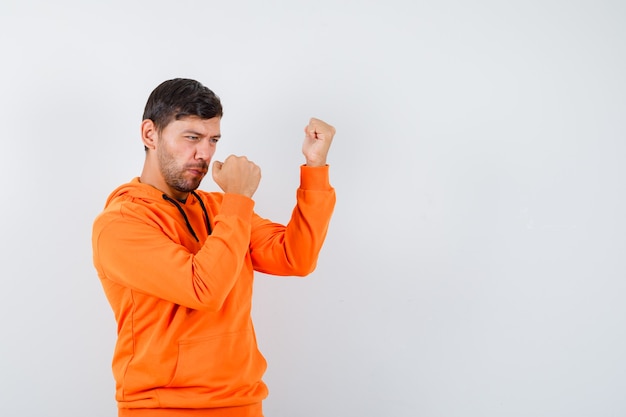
174	174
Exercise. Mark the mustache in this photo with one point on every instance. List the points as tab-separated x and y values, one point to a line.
199	166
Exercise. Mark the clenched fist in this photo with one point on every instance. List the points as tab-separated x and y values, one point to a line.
319	136
237	175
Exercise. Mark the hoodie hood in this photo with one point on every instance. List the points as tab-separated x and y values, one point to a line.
135	189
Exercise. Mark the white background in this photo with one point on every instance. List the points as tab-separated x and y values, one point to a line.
475	264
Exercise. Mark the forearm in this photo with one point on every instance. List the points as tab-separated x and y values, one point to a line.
293	249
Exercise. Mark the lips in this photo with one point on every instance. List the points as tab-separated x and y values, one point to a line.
198	171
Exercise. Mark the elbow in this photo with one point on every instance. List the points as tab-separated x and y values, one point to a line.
303	270
301	263
213	305
209	304
208	299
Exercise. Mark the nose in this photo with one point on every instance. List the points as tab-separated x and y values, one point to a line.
205	150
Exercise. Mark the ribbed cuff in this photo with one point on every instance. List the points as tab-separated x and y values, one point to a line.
237	205
314	178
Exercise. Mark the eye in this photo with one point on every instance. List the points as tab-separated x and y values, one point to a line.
191	137
214	140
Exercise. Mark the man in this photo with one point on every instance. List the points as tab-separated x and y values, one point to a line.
177	263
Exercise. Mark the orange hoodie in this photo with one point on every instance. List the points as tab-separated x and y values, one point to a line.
181	289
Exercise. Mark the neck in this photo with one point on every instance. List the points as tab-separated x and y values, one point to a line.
151	175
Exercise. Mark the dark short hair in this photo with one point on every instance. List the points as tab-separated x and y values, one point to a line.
180	97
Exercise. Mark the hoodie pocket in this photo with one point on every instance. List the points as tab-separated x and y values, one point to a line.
218	362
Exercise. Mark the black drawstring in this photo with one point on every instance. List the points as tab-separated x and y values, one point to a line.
206	214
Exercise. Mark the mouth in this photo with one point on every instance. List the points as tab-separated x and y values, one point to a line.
198	172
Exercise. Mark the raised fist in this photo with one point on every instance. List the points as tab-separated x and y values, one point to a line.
237	175
319	136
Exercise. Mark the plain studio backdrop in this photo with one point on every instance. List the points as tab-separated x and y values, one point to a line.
475	264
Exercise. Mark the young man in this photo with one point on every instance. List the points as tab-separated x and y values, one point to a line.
177	263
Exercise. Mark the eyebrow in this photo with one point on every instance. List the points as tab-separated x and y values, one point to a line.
193	132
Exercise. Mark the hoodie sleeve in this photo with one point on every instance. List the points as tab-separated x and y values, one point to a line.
293	249
131	249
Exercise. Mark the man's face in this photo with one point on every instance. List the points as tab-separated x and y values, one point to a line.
184	151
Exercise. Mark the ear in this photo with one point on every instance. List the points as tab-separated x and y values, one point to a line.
149	134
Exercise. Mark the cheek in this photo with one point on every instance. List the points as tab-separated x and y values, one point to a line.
174	157
185	151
